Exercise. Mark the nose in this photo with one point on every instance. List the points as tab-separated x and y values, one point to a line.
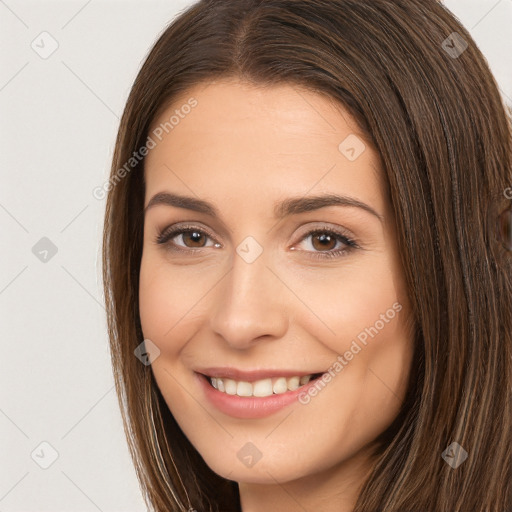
250	305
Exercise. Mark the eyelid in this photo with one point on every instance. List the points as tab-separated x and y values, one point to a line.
326	227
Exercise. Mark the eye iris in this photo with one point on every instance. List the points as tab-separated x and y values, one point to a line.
324	238
195	236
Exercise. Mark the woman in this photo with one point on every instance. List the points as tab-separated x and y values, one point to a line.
306	246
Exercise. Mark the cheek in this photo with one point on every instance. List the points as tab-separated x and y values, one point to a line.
363	318
156	301
168	298
350	304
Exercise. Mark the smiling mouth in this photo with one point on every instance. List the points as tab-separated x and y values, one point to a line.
260	388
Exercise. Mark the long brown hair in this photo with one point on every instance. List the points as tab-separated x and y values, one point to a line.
428	103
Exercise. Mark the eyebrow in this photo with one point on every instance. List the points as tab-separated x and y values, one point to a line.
290	206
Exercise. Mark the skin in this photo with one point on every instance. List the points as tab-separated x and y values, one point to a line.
244	148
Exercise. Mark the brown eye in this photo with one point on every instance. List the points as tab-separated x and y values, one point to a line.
197	239
185	237
327	243
324	241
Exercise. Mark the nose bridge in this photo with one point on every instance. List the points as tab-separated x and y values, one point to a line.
249	301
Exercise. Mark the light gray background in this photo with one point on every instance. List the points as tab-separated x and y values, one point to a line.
59	117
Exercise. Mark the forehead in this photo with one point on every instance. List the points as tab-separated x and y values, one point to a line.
229	137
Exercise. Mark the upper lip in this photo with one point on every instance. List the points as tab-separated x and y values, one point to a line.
252	375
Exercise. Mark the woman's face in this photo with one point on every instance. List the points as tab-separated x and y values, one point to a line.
278	261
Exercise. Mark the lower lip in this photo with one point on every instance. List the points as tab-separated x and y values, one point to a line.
247	407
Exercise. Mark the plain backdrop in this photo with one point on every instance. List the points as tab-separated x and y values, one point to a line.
66	68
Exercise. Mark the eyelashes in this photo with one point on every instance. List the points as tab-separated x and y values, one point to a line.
318	234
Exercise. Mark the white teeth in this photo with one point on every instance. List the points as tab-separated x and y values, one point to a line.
280	386
230	386
260	388
244	389
293	383
305	379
